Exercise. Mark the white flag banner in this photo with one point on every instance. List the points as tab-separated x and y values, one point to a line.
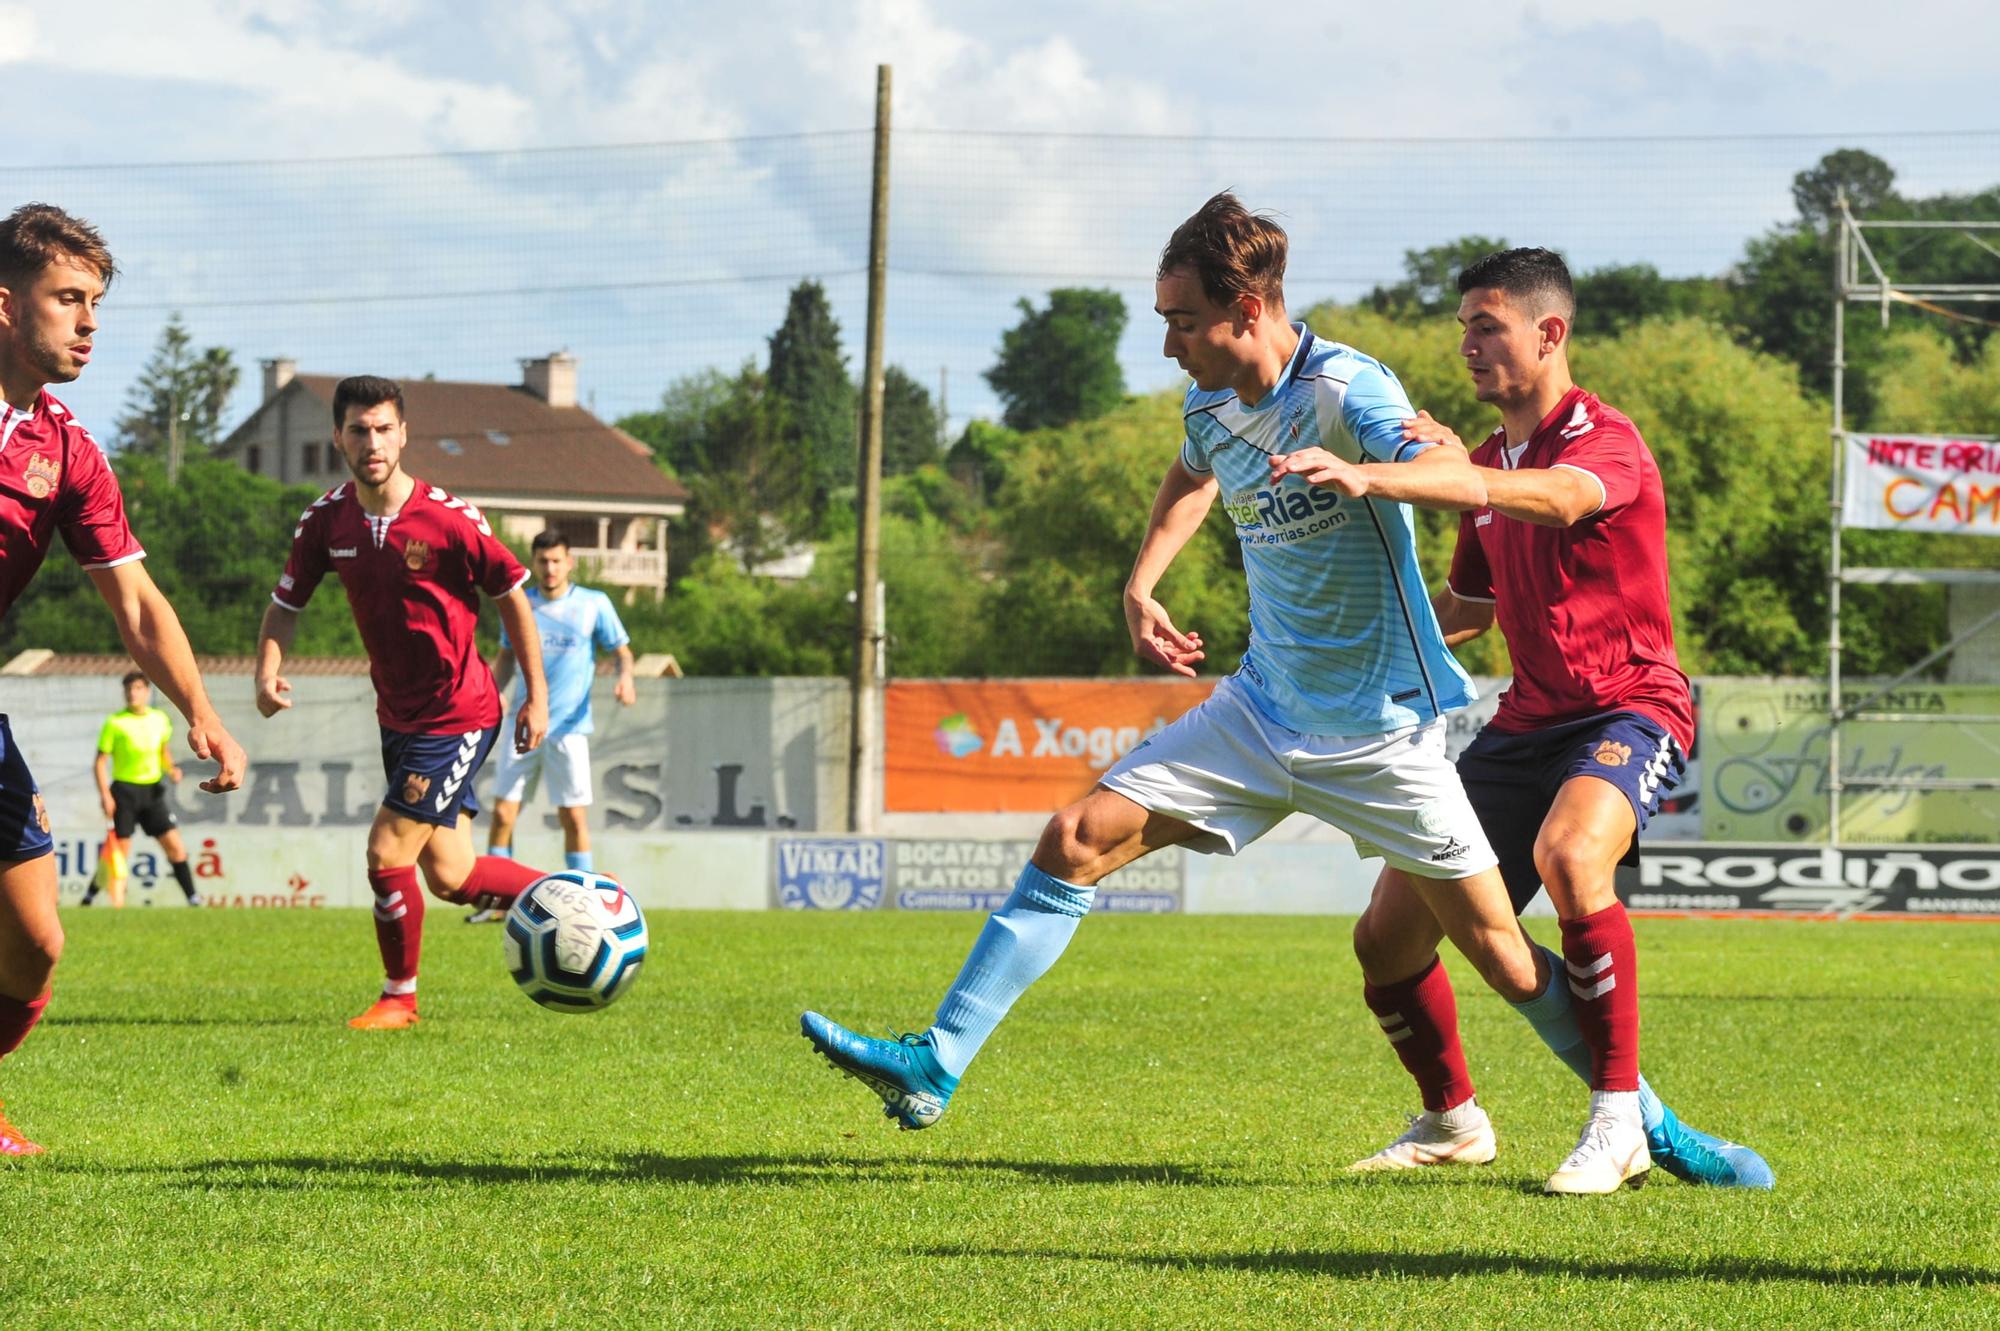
1913	482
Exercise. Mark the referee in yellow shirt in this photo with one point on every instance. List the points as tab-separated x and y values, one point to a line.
132	756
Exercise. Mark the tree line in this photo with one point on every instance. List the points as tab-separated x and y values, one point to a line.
1004	549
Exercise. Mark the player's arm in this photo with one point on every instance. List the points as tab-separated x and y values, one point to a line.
518	617
152	634
1183	500
625	690
1461	620
503	670
1546	496
101	769
1556	496
167	763
1441	476
274	639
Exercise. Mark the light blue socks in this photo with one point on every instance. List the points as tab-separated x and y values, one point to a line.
578	859
1554	1020
1018	944
501	852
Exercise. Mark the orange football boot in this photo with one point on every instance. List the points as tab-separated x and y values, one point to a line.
12	1142
390	1012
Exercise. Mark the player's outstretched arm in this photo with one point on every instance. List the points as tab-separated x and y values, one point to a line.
152	634
1440	477
1555	496
274	639
1183	500
518	617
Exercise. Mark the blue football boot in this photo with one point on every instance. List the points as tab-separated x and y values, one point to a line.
903	1071
1693	1156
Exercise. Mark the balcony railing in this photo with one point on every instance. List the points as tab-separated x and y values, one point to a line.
624	568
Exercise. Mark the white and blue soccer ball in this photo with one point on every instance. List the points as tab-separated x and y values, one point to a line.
574	940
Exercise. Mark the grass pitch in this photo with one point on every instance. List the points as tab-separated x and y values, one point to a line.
1155	1138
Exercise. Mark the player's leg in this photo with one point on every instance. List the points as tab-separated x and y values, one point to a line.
31	934
568	769
916	1074
395	840
452	867
1405	986
124	824
513	774
160	824
500	835
1209	778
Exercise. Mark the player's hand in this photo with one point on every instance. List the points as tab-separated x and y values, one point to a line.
209	740
173	774
109	805
625	691
1320	467
1428	429
531	726
1155	638
274	695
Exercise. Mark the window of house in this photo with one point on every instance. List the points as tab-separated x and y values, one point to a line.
253	458
311	458
578	529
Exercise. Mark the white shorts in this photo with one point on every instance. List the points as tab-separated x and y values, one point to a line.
564	760
1234	774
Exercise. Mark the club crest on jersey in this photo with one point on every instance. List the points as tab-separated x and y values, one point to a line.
415	787
1613	754
42	475
415	555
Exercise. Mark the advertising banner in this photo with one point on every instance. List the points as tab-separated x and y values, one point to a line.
1922	483
1765	745
946	873
1931	882
1016	745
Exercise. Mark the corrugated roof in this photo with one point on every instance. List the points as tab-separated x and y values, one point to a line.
492	439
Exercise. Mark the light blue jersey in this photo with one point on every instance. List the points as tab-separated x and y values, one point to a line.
574	628
1343	640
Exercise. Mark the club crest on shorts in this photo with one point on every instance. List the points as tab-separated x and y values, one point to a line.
1613	754
41	475
41	812
415	787
415	555
1433	819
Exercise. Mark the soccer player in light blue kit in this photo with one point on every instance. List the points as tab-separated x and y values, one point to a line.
575	623
1337	710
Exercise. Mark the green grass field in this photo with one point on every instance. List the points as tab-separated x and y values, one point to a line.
1154	1139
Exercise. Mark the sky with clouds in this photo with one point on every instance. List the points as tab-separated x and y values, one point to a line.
408	187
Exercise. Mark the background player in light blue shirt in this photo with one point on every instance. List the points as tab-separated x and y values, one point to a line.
575	623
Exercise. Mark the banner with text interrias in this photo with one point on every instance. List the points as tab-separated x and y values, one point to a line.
1017	745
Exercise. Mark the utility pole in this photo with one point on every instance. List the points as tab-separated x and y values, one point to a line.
863	756
944	408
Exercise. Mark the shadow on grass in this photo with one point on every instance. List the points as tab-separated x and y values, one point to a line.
94	1019
1366	1264
280	1173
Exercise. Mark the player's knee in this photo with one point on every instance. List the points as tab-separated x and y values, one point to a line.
1061	852
1370	947
1571	867
32	959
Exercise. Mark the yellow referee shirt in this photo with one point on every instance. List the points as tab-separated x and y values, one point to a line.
134	740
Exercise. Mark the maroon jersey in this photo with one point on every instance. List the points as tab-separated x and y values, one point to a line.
1584	607
53	478
413	581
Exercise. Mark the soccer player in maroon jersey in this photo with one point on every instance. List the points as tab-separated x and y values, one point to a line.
413	560
1569	555
54	481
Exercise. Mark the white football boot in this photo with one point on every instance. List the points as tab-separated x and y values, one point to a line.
1462	1135
1611	1154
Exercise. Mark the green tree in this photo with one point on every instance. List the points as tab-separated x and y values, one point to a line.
808	379
1868	181
910	423
1060	364
175	406
1430	277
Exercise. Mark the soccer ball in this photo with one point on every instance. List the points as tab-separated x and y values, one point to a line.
574	940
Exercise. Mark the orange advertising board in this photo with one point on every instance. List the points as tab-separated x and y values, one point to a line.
1016	745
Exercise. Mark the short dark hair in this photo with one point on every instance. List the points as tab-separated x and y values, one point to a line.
1531	276
1234	251
364	391
36	235
135	677
548	540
